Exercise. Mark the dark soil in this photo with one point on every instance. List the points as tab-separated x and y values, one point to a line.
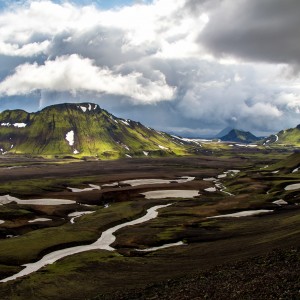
274	276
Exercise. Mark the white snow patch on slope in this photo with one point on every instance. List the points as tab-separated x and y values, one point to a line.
90	107
40	220
292	187
75	151
246	213
161	247
91	188
276	136
20	125
186	140
8	199
171	194
1	221
162	147
83	108
280	202
211	189
78	214
295	170
146	153
70	137
128	156
125	122
5	124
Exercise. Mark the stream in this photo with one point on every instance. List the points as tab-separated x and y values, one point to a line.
104	243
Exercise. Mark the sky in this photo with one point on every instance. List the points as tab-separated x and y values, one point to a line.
188	67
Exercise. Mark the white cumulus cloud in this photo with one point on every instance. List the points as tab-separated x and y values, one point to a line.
74	73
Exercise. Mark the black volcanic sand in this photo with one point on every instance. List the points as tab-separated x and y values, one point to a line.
225	258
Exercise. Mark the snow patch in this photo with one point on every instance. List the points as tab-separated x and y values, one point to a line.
296	170
39	220
8	199
162	147
20	125
125	122
171	194
90	107
75	151
127	155
145	153
187	140
1	221
110	184
70	137
83	108
137	182
78	214
210	179
276	136
161	247
91	188
292	187
243	214
211	189
280	202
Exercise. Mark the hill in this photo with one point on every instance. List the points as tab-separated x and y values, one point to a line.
240	136
82	130
289	137
223	132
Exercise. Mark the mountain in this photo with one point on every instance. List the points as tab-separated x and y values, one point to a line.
223	132
82	130
287	137
289	165
240	136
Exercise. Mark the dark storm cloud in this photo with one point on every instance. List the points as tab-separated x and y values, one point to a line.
257	30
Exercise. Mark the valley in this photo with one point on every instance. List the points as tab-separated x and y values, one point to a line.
214	211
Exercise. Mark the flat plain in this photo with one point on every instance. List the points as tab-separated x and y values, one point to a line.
195	248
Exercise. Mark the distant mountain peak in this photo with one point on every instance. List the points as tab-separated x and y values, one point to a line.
239	136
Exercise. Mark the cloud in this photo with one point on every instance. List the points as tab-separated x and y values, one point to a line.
199	65
259	30
74	73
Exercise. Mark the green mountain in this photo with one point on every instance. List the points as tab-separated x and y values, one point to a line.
240	136
82	130
289	137
290	164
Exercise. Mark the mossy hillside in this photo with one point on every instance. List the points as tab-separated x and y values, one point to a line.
289	137
96	133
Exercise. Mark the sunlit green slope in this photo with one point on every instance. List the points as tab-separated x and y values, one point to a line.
82	130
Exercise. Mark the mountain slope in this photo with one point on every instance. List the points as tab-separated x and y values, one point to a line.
82	130
223	132
287	137
240	136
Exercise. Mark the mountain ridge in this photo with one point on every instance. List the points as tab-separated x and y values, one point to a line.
82	129
288	137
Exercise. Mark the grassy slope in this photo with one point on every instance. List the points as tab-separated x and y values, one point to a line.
96	133
289	137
